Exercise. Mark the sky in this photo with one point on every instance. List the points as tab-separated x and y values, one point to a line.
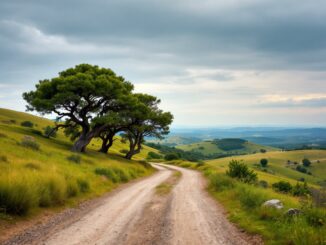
211	62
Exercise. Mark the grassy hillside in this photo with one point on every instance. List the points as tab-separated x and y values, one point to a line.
225	146
32	178
244	201
278	167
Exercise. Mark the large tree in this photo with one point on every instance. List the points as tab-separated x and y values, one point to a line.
82	97
146	121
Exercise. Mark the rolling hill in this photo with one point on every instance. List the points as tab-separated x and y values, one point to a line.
37	172
225	147
281	165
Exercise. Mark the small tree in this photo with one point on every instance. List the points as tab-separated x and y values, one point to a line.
263	162
306	162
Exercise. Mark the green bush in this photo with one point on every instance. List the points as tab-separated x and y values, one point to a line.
108	173
250	196
301	189
241	171
301	169
282	186
29	142
52	191
16	197
306	162
83	185
171	156
49	132
27	124
263	162
74	158
37	132
153	155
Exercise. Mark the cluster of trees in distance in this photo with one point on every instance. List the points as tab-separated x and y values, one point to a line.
93	102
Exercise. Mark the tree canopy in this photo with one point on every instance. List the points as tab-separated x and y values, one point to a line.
90	101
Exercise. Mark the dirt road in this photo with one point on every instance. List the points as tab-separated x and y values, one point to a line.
138	215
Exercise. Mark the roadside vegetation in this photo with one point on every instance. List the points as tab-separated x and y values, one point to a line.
243	186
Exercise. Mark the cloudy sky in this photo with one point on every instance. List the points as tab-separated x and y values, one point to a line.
212	62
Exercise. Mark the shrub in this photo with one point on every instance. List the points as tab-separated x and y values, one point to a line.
300	189
74	158
52	191
171	156
301	169
250	197
30	142
37	132
27	124
83	185
153	155
282	186
49	132
263	162
16	197
241	171
262	150
108	173
306	162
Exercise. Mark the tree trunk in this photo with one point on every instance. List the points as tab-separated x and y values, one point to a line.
132	151
107	142
84	139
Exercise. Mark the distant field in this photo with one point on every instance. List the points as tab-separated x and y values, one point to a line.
278	168
208	148
175	140
53	175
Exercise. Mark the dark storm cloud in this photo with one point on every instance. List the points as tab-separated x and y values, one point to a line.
194	51
265	34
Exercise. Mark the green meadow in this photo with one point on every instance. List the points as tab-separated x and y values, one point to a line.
208	148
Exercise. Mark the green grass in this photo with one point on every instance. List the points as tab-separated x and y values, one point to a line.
45	173
277	168
208	148
243	202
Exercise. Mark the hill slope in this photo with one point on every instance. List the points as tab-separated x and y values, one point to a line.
37	172
225	146
279	168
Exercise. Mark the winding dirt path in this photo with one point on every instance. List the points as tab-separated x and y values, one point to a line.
138	215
